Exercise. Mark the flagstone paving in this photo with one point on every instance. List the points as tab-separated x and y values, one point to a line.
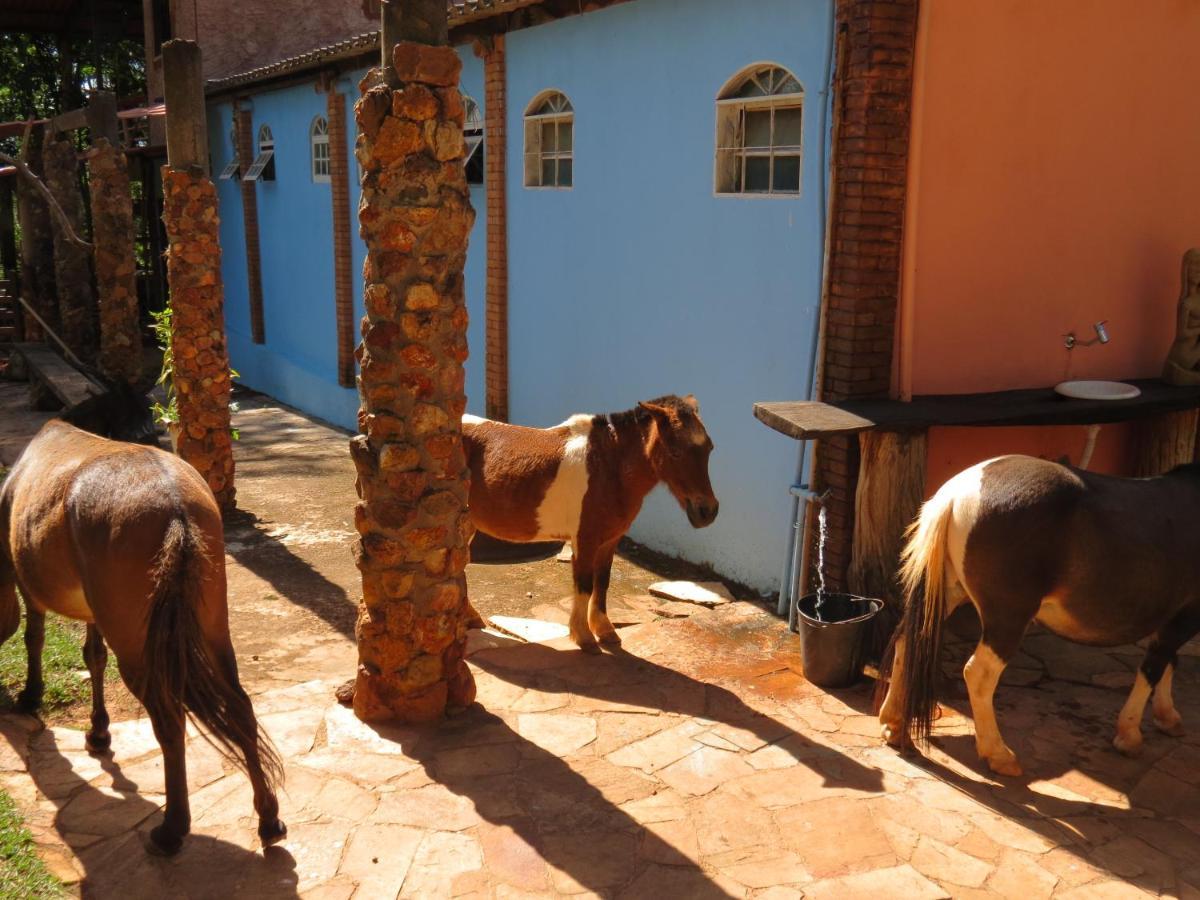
695	761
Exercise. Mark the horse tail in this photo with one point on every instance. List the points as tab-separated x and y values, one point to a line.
181	666
923	581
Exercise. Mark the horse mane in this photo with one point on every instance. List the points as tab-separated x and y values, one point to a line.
640	415
120	413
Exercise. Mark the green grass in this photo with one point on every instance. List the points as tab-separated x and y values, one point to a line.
62	666
22	872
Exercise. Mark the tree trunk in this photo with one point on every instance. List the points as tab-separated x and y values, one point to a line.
37	243
415	216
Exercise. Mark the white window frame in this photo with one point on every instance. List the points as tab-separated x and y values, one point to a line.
232	170
266	151
318	141
473	129
534	155
730	152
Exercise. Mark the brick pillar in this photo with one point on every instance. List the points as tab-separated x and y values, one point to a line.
339	179
37	245
496	298
415	217
245	151
877	41
72	267
116	268
201	359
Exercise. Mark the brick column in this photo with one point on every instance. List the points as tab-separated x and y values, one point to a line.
496	296
415	217
116	268
872	109
72	267
339	179
37	244
245	151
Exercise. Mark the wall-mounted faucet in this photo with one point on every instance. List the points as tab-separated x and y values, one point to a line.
1101	337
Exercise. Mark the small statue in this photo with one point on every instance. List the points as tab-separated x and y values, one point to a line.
1183	362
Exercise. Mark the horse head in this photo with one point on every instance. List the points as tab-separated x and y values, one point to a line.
678	448
121	412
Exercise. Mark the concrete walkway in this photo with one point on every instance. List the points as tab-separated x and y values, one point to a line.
695	762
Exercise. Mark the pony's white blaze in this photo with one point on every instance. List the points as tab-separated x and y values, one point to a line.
561	508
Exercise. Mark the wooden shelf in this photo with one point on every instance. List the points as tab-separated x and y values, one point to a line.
803	420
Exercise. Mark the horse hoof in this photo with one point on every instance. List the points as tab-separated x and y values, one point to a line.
28	704
271	833
1173	727
892	733
163	841
1129	746
611	638
1008	767
97	743
589	647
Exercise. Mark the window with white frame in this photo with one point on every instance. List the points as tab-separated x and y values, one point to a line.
759	127
318	137
231	168
549	142
263	167
473	138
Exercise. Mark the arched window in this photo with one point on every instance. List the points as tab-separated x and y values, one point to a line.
263	166
318	136
759	128
473	137
549	141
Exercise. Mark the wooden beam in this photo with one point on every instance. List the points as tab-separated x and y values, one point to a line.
69	121
187	118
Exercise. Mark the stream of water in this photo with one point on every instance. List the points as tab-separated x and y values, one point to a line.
822	536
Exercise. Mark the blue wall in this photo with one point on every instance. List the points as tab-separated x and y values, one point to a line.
298	362
639	281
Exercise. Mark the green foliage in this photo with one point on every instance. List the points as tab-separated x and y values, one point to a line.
63	668
45	75
22	872
168	414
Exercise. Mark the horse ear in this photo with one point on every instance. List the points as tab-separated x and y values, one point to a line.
691	401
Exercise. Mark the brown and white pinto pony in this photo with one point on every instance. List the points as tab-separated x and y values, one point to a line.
128	539
584	481
1096	559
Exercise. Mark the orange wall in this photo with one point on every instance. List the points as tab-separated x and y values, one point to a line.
1054	182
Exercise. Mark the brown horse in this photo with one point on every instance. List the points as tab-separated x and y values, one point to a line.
1096	559
128	539
584	481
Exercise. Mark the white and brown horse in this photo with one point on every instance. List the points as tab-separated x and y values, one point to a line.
1096	559
128	539
584	481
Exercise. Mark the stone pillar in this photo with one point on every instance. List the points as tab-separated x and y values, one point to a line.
415	217
37	244
116	268
201	360
72	267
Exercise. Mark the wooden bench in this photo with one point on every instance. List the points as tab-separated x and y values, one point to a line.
892	448
50	373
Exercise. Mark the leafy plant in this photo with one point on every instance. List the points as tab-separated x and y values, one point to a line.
168	414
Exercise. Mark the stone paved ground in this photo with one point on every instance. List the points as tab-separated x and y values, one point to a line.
695	762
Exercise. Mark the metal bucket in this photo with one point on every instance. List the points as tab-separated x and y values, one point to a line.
832	643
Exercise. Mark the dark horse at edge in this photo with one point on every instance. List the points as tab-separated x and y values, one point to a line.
128	539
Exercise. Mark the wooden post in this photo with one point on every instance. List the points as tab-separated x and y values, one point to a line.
37	243
1164	442
72	263
187	117
415	217
102	118
891	488
8	253
201	376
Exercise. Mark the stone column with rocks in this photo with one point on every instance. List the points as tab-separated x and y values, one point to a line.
37	243
116	267
72	265
199	353
415	217
201	360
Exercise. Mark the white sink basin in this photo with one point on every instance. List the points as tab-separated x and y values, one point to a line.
1097	390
